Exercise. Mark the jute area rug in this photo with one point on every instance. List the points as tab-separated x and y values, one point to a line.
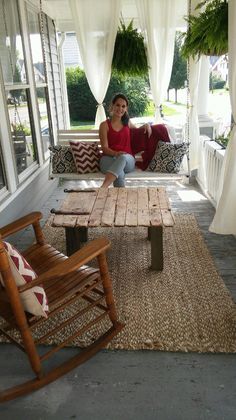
187	307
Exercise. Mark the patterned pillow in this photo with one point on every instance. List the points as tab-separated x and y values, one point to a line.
168	157
86	156
62	160
34	300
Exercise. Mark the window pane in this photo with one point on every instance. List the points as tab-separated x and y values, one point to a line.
11	48
2	177
36	47
23	137
44	122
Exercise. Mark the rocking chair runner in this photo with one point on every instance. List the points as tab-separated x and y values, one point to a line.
65	281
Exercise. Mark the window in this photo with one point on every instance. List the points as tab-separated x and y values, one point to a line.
2	175
40	78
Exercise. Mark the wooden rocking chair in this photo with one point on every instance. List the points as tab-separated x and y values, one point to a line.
67	282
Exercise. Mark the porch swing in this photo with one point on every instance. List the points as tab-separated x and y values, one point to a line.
62	162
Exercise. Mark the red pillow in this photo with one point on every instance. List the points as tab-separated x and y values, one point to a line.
86	156
159	132
34	300
138	140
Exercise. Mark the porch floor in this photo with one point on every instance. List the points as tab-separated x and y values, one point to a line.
137	385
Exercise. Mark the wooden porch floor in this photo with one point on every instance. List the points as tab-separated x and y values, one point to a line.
139	385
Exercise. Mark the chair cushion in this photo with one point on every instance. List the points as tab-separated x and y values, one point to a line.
34	300
62	160
168	157
86	156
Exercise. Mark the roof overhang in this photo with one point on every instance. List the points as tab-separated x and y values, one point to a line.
59	11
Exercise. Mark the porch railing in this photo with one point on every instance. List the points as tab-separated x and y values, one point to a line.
211	157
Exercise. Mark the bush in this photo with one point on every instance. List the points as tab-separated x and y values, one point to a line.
216	82
82	104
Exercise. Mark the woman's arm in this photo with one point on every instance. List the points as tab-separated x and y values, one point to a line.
147	128
103	130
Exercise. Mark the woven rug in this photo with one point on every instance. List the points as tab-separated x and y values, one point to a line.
187	307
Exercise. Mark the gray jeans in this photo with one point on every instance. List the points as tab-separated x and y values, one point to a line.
118	166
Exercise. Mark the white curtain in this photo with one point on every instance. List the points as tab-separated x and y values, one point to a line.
224	221
158	21
194	73
96	24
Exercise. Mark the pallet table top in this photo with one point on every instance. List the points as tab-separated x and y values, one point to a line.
115	207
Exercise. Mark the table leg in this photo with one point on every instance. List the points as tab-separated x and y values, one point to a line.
156	234
74	237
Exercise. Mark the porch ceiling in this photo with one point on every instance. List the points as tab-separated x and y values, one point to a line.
59	10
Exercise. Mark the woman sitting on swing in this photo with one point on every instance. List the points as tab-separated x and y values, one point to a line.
114	133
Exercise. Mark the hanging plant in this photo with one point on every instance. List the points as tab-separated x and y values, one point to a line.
208	32
129	56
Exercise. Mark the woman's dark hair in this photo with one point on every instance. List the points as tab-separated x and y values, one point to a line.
125	117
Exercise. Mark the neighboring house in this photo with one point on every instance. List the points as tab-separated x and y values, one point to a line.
71	52
38	71
219	66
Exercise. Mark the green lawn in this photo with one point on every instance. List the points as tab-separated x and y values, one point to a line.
168	110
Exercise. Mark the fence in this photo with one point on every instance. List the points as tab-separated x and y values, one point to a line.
211	157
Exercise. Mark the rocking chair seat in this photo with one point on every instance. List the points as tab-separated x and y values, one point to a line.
72	288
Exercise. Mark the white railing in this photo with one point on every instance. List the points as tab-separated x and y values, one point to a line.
211	157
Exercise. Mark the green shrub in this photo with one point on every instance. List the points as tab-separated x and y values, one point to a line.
216	82
82	104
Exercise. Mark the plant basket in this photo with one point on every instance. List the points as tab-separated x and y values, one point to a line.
208	32
129	58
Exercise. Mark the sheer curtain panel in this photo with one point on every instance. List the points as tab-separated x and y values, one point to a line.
96	23
194	136
158	21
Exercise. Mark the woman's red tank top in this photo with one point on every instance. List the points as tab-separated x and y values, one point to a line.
119	140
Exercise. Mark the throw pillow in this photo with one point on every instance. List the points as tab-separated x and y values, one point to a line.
168	157
159	133
86	156
138	140
34	300
62	160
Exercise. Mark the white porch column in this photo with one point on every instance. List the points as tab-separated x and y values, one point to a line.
206	123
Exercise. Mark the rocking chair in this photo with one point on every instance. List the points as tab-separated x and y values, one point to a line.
71	287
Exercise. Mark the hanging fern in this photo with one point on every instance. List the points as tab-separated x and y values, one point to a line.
129	58
208	32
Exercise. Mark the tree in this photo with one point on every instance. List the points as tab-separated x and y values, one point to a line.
179	68
82	103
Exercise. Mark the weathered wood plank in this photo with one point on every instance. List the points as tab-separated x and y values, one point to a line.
96	214
132	208
121	207
64	221
108	215
81	202
143	208
163	198
154	207
167	218
82	220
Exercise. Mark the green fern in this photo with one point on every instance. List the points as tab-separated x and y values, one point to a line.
129	56
208	32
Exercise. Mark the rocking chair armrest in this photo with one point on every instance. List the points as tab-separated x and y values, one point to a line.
20	223
72	263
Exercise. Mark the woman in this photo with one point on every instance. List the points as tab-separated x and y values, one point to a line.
114	133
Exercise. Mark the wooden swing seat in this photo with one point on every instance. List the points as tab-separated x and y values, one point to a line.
66	281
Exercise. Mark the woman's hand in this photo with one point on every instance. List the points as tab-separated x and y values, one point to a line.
147	129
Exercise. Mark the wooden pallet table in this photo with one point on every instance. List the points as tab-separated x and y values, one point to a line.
83	209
